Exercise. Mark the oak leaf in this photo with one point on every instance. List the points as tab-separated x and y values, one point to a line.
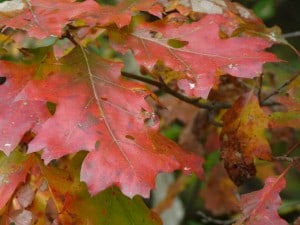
195	49
121	13
243	138
260	207
42	18
99	111
13	172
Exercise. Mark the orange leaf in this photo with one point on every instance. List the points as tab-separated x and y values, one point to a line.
243	138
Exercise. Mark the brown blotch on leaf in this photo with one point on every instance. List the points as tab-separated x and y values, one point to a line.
242	139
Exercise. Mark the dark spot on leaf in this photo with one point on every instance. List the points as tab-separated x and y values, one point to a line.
130	137
2	80
97	145
144	70
176	43
143	110
153	33
51	106
26	139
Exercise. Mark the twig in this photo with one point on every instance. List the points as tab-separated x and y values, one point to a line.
260	87
293	148
295	159
292	34
269	103
211	117
288	158
69	35
207	219
277	91
193	101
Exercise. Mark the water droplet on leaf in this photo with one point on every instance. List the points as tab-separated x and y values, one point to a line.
152	120
187	169
192	85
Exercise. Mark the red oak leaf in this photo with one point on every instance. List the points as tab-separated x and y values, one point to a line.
122	12
42	18
260	207
17	116
197	50
98	111
13	171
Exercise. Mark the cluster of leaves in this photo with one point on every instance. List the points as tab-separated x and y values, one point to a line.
77	120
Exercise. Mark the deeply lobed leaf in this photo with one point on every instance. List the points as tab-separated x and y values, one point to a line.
99	111
260	207
201	52
41	18
243	138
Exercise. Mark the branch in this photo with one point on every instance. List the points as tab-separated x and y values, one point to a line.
207	219
292	34
292	149
295	160
277	91
259	88
287	158
212	106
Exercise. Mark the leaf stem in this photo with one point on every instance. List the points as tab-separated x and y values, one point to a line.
293	148
277	91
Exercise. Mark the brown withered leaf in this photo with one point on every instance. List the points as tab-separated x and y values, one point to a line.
175	109
229	88
220	193
243	138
